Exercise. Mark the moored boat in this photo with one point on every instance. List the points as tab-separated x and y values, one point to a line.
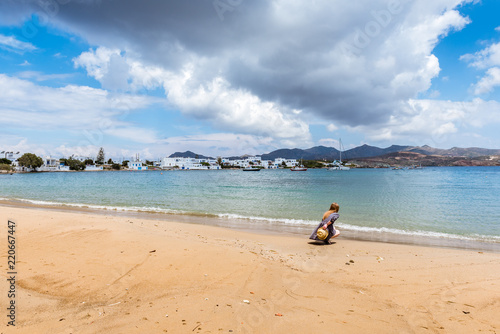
251	169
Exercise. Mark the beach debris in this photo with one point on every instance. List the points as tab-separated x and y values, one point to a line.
206	298
347	263
154	250
379	258
62	319
466	312
166	315
246	301
278	314
347	255
351	261
114	304
251	292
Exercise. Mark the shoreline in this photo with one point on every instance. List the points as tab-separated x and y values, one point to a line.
266	227
84	272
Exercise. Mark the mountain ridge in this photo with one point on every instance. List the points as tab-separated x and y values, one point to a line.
364	151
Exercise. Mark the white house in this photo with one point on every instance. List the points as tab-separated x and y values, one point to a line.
278	162
92	168
136	165
189	164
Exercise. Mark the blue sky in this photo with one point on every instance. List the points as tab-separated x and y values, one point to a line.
157	77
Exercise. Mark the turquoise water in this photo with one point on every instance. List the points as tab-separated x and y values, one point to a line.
444	202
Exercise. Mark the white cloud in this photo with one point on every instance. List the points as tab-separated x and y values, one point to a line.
485	58
39	76
86	110
331	127
226	108
13	44
270	67
437	123
488	82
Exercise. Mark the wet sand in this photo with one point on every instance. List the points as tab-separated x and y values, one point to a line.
84	272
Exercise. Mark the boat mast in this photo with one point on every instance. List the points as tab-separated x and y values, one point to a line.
340	150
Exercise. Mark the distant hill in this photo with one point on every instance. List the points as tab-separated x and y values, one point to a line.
407	158
188	154
365	151
470	152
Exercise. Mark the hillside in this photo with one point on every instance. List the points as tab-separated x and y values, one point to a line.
407	158
367	155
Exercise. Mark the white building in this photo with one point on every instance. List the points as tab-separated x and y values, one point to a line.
136	165
278	162
12	156
189	164
92	168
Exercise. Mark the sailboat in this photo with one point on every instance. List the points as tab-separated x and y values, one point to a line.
299	168
339	166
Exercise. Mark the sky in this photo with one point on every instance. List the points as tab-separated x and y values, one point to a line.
234	77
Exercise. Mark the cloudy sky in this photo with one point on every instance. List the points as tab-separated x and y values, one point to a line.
225	77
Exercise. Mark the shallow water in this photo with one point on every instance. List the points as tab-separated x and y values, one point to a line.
448	203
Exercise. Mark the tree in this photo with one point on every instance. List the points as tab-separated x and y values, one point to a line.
88	162
5	161
75	164
125	163
30	160
110	161
116	166
100	157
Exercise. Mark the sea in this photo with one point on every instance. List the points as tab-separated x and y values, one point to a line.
455	207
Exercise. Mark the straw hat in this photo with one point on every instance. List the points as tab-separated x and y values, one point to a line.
322	234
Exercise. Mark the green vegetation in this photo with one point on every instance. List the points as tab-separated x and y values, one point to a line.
116	166
100	157
75	164
88	162
313	164
5	161
125	163
30	160
6	167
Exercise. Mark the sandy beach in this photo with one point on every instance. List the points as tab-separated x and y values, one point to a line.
85	272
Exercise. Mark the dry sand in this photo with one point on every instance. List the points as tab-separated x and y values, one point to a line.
82	272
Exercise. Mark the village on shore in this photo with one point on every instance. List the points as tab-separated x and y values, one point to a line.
13	162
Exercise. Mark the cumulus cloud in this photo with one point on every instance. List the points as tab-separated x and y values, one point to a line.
70	108
266	68
291	55
487	59
438	121
488	82
229	109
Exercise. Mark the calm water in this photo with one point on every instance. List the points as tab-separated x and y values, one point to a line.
455	203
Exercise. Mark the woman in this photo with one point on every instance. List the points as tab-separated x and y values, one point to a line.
327	224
